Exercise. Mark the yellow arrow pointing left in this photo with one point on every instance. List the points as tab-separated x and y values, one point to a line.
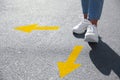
30	28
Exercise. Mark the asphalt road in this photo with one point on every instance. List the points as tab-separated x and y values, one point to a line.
34	56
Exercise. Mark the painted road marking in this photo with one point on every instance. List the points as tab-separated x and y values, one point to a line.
69	65
31	27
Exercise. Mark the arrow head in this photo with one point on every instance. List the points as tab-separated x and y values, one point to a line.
28	28
66	68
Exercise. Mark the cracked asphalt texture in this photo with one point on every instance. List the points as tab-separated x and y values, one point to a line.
34	56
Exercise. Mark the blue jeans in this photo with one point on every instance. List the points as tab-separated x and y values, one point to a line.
93	8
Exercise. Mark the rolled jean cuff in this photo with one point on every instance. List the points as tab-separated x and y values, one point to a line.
84	12
94	18
95	9
85	6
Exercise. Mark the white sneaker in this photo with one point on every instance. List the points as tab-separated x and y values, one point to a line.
92	34
81	27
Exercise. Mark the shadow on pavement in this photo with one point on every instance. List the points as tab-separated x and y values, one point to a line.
104	58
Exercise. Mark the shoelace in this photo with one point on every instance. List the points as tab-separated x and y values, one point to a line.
91	28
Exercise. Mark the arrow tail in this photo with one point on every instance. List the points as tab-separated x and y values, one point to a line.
74	54
47	28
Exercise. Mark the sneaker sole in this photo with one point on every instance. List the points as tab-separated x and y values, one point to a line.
79	32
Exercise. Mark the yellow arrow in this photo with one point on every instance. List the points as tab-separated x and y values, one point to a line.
30	28
69	65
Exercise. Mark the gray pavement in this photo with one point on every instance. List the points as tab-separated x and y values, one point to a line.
34	56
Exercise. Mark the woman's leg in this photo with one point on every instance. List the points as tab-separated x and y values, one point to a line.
95	10
85	5
94	13
82	26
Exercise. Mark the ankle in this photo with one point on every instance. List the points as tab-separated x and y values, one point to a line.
85	16
94	22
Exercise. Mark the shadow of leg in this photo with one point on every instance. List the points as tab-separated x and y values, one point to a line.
104	58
